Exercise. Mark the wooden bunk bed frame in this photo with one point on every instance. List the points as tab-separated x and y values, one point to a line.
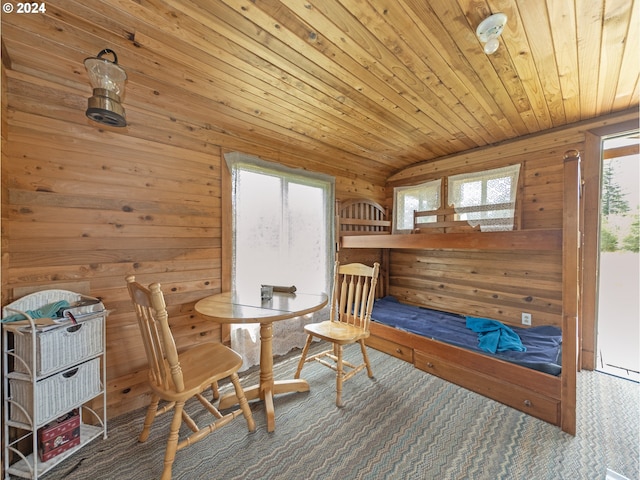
550	398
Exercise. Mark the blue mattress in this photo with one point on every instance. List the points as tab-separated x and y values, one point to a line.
543	343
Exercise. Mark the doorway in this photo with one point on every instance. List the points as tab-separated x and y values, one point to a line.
618	336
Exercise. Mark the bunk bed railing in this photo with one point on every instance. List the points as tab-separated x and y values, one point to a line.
446	218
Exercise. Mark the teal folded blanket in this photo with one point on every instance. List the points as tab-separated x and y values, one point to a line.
494	336
48	311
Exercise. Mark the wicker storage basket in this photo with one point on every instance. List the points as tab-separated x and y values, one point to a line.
36	300
57	394
63	346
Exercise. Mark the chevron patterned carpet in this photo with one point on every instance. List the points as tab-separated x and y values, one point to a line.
404	424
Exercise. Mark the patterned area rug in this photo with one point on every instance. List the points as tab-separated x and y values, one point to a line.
403	424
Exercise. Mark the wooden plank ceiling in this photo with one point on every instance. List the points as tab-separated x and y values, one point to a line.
381	83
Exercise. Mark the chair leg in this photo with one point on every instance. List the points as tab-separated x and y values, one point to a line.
340	372
172	442
366	358
215	390
242	400
149	418
303	356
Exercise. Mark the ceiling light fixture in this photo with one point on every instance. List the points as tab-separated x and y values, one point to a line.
489	30
107	79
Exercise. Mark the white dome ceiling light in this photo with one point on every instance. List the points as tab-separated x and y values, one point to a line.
489	30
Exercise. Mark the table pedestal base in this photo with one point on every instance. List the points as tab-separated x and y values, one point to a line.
267	387
266	393
234	307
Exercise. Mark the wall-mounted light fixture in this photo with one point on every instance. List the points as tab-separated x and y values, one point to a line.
107	79
489	30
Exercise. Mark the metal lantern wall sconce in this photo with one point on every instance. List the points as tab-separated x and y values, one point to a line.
107	79
489	30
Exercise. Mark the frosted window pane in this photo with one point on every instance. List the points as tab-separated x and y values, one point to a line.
258	225
280	233
306	254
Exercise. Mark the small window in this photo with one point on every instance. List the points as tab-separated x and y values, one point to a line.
423	197
485	198
282	225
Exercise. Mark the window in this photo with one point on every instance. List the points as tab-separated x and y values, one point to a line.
485	198
422	197
282	235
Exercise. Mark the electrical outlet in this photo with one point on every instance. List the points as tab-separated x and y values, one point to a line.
526	318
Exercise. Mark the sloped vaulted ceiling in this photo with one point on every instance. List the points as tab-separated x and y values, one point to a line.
382	83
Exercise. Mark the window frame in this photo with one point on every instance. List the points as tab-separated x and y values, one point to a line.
257	164
445	219
397	191
484	176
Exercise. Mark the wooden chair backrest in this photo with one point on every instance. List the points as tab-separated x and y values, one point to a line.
164	366
354	287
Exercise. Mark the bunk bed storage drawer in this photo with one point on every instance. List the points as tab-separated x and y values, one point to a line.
391	348
528	401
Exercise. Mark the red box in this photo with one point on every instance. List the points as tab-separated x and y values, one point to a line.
59	436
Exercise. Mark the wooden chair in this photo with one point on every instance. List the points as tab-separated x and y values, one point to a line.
354	287
175	378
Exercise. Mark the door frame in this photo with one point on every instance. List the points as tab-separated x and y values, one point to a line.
590	226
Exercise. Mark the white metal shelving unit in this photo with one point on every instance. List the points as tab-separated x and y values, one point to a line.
48	371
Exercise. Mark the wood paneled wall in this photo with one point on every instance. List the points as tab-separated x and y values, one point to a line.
87	203
497	284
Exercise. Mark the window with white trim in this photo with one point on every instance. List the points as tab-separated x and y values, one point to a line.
406	200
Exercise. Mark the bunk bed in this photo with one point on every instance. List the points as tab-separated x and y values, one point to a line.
548	394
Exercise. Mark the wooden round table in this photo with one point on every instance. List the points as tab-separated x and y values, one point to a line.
230	307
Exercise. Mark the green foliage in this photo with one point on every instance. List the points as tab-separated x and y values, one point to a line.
608	241
631	242
616	230
613	201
